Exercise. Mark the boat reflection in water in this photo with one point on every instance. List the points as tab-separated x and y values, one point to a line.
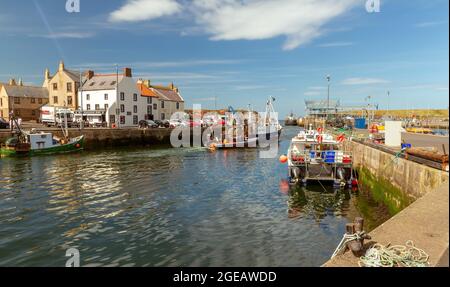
318	202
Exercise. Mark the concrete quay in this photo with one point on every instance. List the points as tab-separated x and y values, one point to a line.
425	222
419	192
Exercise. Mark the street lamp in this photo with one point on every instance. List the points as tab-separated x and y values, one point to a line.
328	97
388	96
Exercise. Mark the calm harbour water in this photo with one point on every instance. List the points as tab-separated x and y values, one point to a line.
169	207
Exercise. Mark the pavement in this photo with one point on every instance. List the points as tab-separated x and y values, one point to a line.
423	140
425	222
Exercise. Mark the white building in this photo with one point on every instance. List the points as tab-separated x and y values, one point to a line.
112	99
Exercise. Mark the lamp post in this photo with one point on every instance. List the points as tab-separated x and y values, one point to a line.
81	100
388	96
328	96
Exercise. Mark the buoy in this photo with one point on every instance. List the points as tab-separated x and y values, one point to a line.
320	130
113	126
341	138
354	182
77	145
283	158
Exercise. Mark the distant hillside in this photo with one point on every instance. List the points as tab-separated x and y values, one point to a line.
419	113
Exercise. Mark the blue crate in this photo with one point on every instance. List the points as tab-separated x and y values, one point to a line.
406	145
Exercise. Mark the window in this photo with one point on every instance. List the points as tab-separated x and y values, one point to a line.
106	107
106	97
55	99
55	87
16	100
91	84
113	83
135	97
135	120
122	108
97	107
88	107
155	106
33	100
122	96
149	110
69	87
88	97
122	120
162	104
178	105
39	101
134	109
149	100
102	83
69	100
112	119
163	116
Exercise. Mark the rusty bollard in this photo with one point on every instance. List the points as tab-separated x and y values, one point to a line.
357	229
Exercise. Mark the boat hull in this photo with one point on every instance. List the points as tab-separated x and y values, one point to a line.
76	145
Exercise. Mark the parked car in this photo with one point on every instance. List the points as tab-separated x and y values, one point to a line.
177	123
163	123
147	124
4	124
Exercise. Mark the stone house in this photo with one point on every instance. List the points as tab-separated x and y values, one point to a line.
24	101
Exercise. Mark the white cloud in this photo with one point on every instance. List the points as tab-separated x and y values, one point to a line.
429	24
140	10
299	20
335	44
65	35
317	88
312	93
364	81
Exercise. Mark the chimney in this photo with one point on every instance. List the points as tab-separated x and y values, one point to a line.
20	82
89	74
47	75
127	72
147	83
61	66
12	82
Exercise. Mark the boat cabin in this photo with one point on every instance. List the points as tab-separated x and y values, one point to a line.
41	140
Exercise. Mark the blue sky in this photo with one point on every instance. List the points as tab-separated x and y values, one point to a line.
242	51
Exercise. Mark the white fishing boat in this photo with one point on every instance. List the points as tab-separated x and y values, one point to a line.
269	127
314	155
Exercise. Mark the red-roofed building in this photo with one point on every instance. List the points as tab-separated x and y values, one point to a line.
162	101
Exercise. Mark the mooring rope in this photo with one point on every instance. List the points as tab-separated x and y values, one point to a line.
394	256
343	244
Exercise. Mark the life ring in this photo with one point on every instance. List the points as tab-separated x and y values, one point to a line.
319	139
341	138
113	126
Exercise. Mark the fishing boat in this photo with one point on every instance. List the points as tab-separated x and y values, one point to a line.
290	120
38	143
314	155
269	127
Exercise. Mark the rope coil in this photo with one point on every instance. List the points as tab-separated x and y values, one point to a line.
394	256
